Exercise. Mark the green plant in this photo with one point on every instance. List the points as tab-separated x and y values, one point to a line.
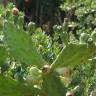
30	60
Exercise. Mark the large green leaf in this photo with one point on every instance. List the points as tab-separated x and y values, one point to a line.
9	87
3	55
21	46
52	85
74	54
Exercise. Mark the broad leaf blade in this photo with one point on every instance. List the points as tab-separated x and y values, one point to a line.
21	46
3	55
73	55
52	85
9	87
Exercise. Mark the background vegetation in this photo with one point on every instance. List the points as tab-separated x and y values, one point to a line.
33	63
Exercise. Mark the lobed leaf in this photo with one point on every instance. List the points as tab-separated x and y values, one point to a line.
73	54
21	46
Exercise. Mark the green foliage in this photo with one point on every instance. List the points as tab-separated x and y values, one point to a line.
44	45
14	88
84	37
21	46
35	49
75	57
34	75
3	55
93	35
51	82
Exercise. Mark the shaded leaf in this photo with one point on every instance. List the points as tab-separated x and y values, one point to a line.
3	55
9	87
52	85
